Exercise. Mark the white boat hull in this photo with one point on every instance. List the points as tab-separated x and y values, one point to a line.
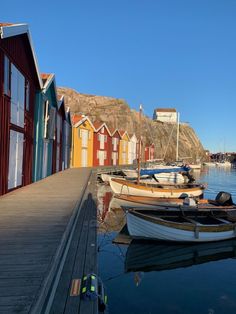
132	189
107	177
140	228
173	177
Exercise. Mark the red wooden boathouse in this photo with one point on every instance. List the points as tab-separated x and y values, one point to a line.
19	82
101	144
115	146
149	152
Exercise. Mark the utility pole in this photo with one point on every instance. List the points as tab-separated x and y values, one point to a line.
177	138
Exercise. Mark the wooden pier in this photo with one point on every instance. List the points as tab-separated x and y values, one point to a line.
48	241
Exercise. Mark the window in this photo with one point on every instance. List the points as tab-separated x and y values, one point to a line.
15	159
6	76
17	97
51	123
46	118
102	141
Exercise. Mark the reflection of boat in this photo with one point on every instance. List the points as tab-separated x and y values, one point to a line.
120	186
155	256
181	227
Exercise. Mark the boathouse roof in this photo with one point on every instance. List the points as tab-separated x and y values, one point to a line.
8	30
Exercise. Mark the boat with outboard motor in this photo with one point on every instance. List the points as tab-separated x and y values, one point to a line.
221	202
191	224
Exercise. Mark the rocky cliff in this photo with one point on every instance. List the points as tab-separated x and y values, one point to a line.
117	114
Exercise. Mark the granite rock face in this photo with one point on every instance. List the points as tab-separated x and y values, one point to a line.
117	114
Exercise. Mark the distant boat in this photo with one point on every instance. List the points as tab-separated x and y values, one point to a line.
145	256
223	164
120	186
195	166
209	164
180	228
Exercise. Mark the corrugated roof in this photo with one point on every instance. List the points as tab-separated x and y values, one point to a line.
76	118
122	132
46	77
165	109
6	24
97	124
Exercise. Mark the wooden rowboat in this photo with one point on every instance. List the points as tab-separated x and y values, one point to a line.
123	200
120	186
158	203
191	227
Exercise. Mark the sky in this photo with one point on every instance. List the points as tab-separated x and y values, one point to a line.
161	53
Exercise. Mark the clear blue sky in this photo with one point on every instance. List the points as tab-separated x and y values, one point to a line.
162	53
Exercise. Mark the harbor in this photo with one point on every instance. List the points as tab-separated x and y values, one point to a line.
154	271
117	158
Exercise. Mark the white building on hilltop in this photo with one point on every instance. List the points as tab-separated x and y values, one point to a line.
165	115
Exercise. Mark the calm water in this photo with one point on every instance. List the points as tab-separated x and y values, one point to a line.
165	278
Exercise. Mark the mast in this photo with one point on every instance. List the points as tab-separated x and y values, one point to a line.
177	138
139	142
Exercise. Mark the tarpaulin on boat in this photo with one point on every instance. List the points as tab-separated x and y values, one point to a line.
163	170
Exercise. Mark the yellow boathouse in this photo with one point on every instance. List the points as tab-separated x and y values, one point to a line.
124	148
82	142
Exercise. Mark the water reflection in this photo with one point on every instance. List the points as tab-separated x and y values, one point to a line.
155	256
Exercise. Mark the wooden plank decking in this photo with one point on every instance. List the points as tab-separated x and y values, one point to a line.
47	238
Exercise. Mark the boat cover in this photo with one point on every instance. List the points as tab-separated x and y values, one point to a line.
164	170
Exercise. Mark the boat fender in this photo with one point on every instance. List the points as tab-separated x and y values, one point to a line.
92	288
189	202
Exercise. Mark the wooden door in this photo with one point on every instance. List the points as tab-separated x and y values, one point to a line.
101	157
84	137
84	157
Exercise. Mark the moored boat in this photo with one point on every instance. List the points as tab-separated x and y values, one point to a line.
223	202
123	200
120	186
190	227
172	177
